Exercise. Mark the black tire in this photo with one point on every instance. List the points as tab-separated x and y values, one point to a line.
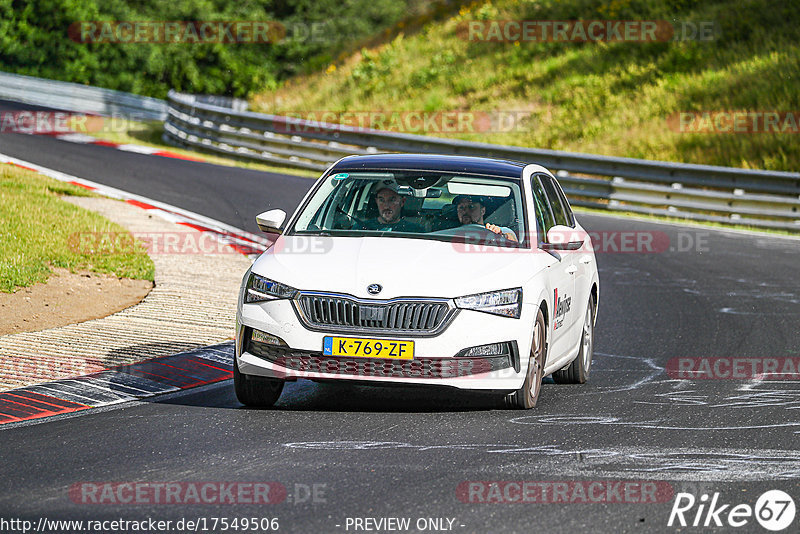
577	372
256	391
526	397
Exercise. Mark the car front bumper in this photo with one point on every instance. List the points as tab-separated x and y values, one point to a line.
435	362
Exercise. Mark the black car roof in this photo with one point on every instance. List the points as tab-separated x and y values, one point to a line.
432	162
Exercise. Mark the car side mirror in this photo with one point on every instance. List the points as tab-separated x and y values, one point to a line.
271	221
560	237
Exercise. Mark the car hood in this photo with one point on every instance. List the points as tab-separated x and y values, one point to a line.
402	266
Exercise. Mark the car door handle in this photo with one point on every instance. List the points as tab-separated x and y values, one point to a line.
586	260
572	269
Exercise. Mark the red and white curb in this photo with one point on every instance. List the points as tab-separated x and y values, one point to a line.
84	139
240	240
138	380
124	383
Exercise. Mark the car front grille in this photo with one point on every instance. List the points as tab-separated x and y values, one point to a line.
341	312
309	362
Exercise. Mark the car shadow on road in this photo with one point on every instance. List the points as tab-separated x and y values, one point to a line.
341	396
354	397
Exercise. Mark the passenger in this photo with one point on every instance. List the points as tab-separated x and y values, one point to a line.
471	210
390	211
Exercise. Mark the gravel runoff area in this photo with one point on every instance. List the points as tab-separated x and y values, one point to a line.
67	298
193	304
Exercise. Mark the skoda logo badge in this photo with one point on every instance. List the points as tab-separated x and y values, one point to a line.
374	289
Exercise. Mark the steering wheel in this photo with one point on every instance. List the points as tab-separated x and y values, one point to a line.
475	232
487	235
353	219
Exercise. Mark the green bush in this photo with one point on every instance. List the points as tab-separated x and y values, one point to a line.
614	98
34	39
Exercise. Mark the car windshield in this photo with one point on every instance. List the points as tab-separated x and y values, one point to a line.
416	204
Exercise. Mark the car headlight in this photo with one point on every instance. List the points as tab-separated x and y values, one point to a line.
260	289
507	303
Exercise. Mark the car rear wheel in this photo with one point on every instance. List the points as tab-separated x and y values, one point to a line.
526	397
256	391
578	371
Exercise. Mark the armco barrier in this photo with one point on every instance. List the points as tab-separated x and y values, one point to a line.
80	98
766	199
701	192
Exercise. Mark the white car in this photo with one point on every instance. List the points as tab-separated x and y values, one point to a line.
418	269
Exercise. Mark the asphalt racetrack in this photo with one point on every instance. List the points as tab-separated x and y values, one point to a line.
344	453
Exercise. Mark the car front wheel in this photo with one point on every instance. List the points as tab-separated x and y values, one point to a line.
256	391
526	397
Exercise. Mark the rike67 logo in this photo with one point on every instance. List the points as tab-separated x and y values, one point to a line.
774	510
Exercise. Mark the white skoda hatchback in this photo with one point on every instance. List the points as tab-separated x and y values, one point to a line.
416	269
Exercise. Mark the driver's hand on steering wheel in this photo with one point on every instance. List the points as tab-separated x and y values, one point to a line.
496	229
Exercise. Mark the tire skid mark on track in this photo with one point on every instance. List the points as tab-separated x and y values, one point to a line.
120	384
618	462
651	367
538	420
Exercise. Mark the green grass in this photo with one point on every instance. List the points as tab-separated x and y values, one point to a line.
602	98
39	231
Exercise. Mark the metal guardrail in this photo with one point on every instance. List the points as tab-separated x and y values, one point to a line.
757	198
80	98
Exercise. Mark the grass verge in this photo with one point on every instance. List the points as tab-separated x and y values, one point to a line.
610	98
38	231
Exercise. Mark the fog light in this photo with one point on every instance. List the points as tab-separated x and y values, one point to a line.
493	349
262	337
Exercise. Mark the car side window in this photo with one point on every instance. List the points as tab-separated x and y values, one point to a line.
544	217
565	203
559	213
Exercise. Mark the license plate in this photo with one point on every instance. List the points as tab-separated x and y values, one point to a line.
368	348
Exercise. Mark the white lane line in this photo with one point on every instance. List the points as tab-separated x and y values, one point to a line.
138	149
76	138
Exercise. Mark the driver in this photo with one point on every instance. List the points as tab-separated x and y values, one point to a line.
471	209
390	211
